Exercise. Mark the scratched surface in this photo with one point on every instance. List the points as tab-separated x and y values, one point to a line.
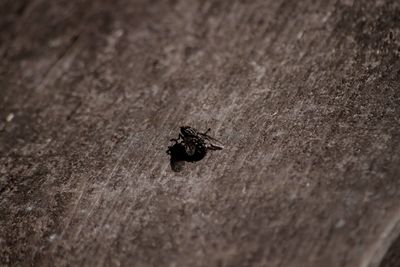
305	96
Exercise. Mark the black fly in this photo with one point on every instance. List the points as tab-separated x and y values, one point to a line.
191	146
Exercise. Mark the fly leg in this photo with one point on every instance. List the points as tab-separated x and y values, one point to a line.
177	139
208	130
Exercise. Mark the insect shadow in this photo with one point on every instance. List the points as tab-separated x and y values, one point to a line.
190	146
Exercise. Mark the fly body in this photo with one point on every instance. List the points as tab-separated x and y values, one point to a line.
191	145
191	135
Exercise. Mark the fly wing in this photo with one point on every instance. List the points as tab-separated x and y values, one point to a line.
212	143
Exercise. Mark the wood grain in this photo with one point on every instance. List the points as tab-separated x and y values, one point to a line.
304	95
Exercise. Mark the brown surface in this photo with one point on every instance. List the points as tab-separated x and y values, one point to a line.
304	94
392	256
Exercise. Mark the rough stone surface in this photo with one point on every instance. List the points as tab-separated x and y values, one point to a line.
304	94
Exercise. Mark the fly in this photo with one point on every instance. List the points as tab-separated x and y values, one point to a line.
191	145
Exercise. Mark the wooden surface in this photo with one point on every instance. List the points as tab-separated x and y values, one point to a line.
305	95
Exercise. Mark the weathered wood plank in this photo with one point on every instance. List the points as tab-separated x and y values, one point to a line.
304	94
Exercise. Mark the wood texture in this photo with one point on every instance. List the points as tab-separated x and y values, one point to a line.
305	96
